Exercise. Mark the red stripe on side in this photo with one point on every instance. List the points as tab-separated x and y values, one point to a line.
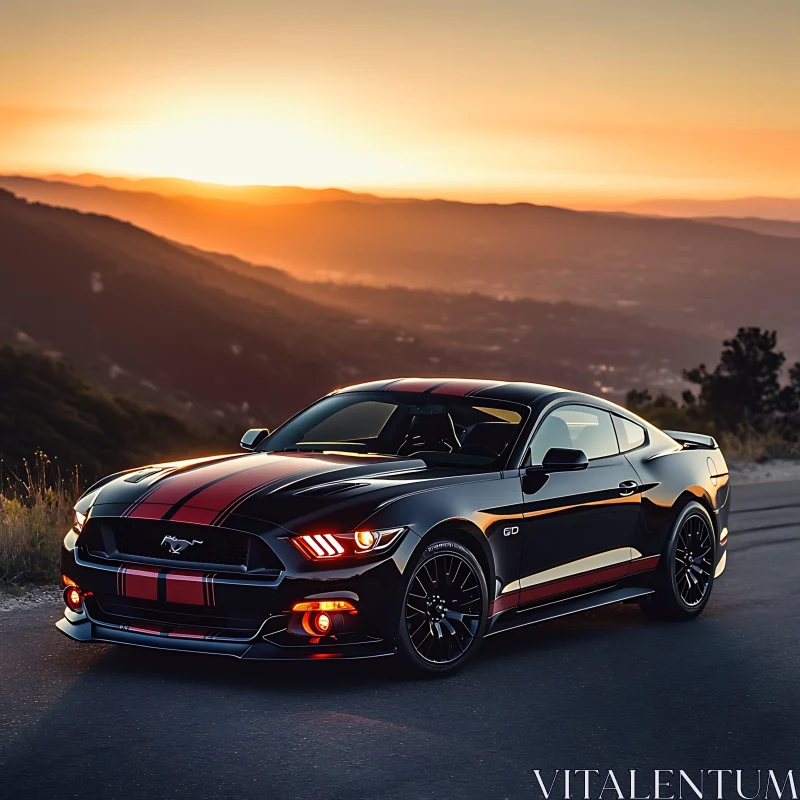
186	587
141	583
461	388
412	385
573	583
503	603
643	564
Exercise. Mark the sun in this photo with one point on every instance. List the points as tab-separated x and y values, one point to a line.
249	148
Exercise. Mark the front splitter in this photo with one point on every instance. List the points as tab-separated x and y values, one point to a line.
88	631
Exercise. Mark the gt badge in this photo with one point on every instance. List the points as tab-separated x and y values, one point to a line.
510	531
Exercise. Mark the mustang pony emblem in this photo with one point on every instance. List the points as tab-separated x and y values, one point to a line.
178	545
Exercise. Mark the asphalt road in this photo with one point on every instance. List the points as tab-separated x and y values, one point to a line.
601	690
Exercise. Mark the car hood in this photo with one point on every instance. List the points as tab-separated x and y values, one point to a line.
289	490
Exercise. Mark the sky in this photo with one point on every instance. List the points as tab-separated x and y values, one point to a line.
581	102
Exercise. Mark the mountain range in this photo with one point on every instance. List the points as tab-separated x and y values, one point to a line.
775	208
696	277
218	339
180	187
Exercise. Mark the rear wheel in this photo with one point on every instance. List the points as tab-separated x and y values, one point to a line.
686	571
444	611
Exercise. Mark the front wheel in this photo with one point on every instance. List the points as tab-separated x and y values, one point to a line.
444	613
686	572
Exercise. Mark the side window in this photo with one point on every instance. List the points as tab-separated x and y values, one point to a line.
579	427
630	434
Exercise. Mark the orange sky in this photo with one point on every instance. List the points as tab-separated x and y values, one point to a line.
575	101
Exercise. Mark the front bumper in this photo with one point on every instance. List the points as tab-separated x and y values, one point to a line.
234	614
85	630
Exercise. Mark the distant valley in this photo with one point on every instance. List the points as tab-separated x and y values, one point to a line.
698	278
218	339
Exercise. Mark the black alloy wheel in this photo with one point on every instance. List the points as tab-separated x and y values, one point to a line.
693	560
444	610
685	575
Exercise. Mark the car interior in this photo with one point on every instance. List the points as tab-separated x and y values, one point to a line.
446	432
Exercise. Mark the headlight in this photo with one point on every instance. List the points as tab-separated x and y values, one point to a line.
78	522
319	546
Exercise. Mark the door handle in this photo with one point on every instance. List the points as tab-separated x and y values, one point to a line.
627	488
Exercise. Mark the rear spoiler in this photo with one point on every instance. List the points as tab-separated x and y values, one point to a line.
693	441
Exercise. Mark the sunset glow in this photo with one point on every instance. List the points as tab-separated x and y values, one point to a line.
577	102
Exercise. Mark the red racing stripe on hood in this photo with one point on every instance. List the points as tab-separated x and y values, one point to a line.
209	503
178	489
173	488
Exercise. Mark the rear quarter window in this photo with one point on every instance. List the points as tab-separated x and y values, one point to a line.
630	434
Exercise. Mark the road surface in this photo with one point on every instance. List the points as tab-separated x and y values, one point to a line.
604	690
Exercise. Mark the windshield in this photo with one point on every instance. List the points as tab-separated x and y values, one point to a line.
446	431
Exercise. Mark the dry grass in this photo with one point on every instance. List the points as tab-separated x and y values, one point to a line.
35	513
757	447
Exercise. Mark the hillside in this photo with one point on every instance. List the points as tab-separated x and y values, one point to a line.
217	339
145	317
706	279
44	405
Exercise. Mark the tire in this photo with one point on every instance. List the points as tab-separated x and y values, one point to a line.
685	575
444	612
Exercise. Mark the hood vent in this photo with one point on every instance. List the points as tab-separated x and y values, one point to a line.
142	474
332	488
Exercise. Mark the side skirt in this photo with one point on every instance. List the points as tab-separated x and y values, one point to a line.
514	618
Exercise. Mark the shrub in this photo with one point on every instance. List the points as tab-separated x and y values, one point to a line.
35	513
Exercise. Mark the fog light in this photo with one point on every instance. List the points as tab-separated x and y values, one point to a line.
322	622
73	598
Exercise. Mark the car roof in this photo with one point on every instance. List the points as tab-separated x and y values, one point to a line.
510	391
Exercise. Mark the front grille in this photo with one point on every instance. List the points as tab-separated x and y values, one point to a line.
127	611
144	541
207	547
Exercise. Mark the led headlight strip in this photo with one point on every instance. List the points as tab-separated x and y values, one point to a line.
319	546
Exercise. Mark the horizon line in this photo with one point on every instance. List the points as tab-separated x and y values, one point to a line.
386	192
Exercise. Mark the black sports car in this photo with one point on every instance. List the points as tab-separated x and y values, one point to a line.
410	517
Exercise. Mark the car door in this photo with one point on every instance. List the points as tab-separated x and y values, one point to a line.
577	526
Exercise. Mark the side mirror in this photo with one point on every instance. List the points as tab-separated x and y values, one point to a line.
253	438
562	459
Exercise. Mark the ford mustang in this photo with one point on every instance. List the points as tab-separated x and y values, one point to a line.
410	518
